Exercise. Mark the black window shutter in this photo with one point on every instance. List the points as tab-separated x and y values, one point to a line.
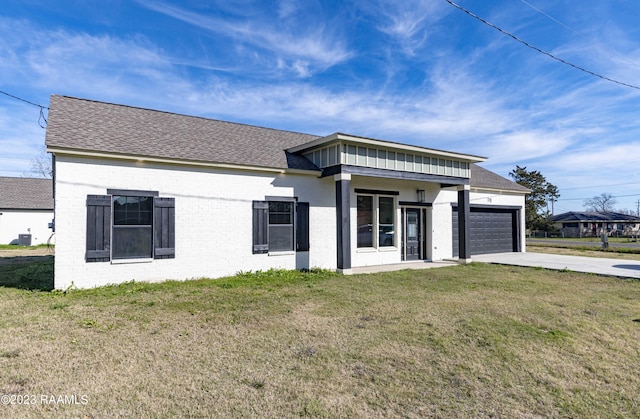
98	228
302	228
164	236
260	227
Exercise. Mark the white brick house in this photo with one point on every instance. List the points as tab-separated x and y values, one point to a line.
26	209
148	195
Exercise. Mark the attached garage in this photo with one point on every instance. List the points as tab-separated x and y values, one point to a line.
491	230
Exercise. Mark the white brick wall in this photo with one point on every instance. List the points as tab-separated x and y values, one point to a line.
442	242
214	219
14	223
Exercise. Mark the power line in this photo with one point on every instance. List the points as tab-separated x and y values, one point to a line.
542	12
42	108
533	47
582	199
601	186
24	100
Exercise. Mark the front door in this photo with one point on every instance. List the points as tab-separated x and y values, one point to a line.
412	234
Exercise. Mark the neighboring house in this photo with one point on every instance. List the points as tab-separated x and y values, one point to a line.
593	224
149	195
26	209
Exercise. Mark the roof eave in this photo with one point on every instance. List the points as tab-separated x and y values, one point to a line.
498	190
382	143
152	159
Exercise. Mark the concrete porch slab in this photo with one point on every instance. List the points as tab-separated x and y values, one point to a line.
400	266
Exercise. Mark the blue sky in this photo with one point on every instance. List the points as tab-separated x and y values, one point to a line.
417	72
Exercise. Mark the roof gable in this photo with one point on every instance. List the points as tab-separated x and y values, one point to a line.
26	193
485	179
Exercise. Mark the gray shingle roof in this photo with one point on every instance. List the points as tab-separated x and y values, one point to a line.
26	193
598	217
483	178
88	125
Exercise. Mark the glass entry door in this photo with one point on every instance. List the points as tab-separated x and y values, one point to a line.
412	234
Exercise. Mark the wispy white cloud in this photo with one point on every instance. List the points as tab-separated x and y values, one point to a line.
475	102
315	44
408	22
454	111
288	8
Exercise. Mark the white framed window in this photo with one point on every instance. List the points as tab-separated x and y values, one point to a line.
132	227
376	221
281	226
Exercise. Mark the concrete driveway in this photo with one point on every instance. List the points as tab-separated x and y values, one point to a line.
601	266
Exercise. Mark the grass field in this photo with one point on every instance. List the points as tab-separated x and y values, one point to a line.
587	247
611	253
591	239
463	341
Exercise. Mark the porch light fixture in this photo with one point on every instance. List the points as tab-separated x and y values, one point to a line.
421	195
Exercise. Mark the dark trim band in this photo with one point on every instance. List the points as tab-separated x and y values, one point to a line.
415	204
130	192
281	198
445	181
376	192
495	207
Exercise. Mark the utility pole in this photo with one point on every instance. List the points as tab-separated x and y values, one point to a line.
638	208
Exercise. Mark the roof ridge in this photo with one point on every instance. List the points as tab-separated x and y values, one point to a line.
184	115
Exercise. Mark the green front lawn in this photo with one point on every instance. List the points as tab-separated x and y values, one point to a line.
464	341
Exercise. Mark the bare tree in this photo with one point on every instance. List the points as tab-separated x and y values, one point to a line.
41	165
603	203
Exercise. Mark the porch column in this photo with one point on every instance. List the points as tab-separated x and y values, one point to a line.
343	221
464	212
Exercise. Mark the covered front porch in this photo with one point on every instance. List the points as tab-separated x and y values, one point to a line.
394	201
404	224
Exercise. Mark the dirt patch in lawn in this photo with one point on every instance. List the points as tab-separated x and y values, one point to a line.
8	256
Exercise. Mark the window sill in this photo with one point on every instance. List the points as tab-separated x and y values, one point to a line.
283	253
388	249
125	261
377	249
